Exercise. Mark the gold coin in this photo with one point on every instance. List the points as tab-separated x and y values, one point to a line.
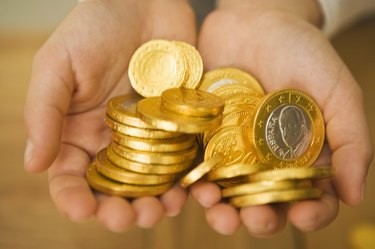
242	118
108	186
288	130
143	168
154	145
292	174
191	102
156	66
122	109
235	170
199	171
233	143
242	98
140	132
228	91
194	64
225	76
238	107
108	169
277	196
164	158
150	111
263	186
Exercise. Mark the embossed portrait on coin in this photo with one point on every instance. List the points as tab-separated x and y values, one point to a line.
288	132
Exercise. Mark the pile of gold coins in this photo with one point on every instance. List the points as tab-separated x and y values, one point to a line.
258	147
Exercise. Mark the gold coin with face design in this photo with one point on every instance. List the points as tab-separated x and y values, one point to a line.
288	130
155	66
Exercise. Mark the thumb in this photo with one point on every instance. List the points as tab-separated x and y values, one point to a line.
47	102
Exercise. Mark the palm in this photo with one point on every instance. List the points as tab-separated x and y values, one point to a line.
283	51
81	66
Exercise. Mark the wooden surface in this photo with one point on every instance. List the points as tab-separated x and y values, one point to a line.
29	220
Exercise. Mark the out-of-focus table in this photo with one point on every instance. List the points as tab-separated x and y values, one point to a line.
28	218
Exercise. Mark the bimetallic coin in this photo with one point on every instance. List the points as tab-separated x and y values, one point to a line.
108	186
233	143
122	109
164	158
292	174
288	130
263	186
140	132
235	170
154	145
156	66
143	168
108	169
276	197
194	64
150	111
199	171
191	102
225	76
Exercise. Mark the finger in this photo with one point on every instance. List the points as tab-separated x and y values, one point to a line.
350	142
47	102
263	221
173	200
312	215
68	187
115	213
206	193
223	218
148	210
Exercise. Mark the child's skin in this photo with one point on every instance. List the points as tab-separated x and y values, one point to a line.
84	63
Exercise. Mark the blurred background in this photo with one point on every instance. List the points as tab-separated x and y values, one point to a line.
28	218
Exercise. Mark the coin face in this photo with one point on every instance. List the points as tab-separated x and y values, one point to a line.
288	130
123	109
227	76
192	102
233	143
156	66
194	64
151	111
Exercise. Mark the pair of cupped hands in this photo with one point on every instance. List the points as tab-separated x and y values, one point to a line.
84	63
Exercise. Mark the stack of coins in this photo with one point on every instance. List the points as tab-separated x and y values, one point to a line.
182	110
276	186
141	160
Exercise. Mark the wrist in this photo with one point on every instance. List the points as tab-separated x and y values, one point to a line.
309	10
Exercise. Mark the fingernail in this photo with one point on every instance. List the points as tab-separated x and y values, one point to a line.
28	151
